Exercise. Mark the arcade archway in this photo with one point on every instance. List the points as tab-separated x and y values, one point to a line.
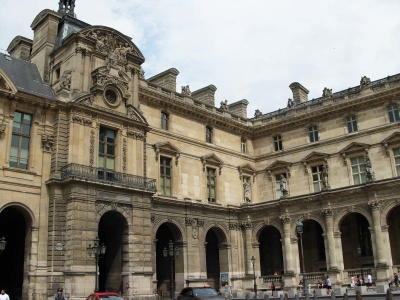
271	256
393	221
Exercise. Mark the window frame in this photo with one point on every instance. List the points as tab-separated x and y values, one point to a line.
21	136
164	120
313	134
278	142
351	123
103	171
209	134
243	145
211	186
362	177
393	112
319	173
164	177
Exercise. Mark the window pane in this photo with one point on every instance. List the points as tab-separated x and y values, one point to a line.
110	163
17	117
25	143
101	148
24	154
16	127
15	141
110	150
101	161
27	119
26	129
316	187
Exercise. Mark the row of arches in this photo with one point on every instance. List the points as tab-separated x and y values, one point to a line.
355	232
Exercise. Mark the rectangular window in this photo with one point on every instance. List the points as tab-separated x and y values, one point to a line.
209	134
278	142
317	178
164	120
358	169
243	143
211	185
106	153
351	123
278	183
21	137
396	154
313	131
165	175
393	111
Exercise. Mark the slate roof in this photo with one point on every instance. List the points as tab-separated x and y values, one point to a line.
25	76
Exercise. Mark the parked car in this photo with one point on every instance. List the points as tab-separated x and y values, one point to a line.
105	296
200	293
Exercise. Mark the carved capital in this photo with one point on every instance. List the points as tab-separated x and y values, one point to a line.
374	205
285	219
328	212
47	142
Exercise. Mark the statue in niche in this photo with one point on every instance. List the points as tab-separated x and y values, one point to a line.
290	103
224	105
327	93
283	185
324	177
365	81
247	192
257	114
65	81
186	91
369	173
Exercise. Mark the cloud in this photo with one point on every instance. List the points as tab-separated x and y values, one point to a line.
253	49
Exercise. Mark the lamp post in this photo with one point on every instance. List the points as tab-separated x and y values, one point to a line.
171	253
299	229
3	244
98	252
359	251
253	260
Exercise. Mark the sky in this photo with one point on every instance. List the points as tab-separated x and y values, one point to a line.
251	49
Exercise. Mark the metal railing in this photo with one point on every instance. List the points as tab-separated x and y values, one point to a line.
107	176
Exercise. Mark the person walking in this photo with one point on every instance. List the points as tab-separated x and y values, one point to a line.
328	284
59	295
396	281
3	295
369	280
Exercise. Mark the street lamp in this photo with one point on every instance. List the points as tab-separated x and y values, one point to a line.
3	244
299	229
171	253
359	251
253	260
98	252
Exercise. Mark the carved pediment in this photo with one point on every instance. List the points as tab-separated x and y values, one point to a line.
117	46
391	140
167	148
314	157
6	84
212	160
354	148
247	169
278	166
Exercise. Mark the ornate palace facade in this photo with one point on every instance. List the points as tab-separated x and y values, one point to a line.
90	148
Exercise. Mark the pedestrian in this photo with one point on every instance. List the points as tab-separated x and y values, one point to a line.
369	280
59	295
272	287
328	284
396	280
3	295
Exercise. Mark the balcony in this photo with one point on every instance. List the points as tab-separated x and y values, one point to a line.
87	173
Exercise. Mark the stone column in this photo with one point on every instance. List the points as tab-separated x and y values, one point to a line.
288	277
379	254
331	263
248	251
77	80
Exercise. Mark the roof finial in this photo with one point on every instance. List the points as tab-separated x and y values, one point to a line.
66	7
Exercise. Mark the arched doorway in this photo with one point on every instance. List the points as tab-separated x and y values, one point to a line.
355	234
169	265
15	227
216	253
393	221
313	247
112	229
271	256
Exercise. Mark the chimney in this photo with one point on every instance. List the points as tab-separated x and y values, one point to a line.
239	108
205	95
20	47
300	93
166	79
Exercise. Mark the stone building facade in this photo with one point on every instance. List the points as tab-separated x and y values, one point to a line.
90	147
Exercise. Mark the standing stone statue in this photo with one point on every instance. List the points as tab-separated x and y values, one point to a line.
369	173
247	192
324	176
283	185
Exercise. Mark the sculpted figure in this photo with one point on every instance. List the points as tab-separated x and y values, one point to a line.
257	114
327	93
283	185
365	81
224	105
290	103
186	90
65	81
247	192
325	177
369	173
